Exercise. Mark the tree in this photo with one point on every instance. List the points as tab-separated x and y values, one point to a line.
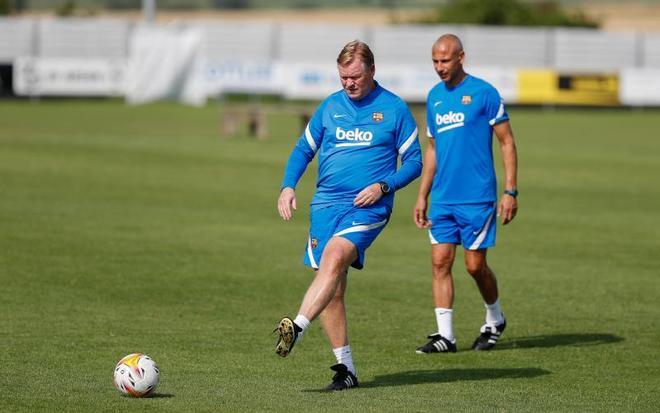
507	13
6	7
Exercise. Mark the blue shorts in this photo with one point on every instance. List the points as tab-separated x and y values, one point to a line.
472	225
360	226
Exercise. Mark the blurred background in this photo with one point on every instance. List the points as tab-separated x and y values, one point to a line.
133	227
536	52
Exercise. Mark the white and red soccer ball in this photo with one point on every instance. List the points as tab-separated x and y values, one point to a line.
136	375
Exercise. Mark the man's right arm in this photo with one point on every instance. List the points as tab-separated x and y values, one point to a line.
428	172
300	157
286	203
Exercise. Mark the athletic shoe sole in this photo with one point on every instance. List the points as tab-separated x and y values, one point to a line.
287	337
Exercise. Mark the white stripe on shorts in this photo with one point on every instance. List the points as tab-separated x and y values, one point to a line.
433	240
360	228
310	254
484	231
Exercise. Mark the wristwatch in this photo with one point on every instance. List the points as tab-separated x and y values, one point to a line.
385	187
513	192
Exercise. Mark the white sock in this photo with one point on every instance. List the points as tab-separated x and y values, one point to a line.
445	326
302	322
494	313
345	357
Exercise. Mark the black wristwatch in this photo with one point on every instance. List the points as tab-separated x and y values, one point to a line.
384	187
513	192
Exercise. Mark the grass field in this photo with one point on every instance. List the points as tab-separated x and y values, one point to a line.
142	230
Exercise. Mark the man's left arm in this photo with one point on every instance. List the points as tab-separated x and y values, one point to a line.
411	162
508	206
410	151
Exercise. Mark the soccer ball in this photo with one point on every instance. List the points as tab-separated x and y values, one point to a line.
136	375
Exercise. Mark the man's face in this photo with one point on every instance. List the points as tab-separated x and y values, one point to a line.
447	62
356	79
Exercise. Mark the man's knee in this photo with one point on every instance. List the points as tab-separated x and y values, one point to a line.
338	255
477	268
441	266
442	259
476	264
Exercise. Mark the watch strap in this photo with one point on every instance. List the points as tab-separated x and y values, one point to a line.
512	192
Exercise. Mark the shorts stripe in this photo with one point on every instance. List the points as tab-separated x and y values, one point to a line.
360	228
310	254
482	235
433	240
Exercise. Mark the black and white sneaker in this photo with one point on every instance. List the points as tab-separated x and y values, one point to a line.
438	344
288	332
343	378
489	336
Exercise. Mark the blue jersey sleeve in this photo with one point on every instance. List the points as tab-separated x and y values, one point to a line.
407	143
305	149
494	107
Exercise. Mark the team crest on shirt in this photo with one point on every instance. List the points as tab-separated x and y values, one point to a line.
466	100
314	242
377	116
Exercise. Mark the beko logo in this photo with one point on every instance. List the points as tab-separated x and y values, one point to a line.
353	137
450	120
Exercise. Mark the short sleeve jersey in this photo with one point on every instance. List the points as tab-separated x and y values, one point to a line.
461	121
358	144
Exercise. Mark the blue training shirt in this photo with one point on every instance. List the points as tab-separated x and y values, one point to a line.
461	120
358	143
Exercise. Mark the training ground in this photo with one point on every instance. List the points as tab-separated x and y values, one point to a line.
143	230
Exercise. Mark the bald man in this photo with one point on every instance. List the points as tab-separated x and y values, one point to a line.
459	174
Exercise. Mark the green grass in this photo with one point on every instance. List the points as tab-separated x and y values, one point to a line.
142	230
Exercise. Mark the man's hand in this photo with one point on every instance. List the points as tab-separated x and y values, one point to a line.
419	214
286	202
368	196
507	209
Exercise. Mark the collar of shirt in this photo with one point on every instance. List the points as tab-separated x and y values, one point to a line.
463	82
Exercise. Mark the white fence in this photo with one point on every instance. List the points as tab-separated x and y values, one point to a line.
81	38
651	51
17	39
266	57
563	49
